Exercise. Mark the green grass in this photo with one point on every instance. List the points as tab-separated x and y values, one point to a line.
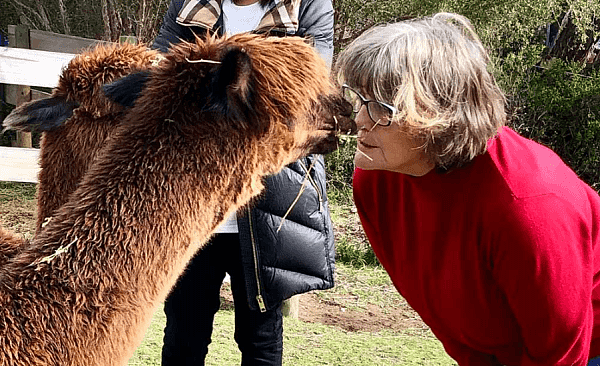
16	191
317	344
350	241
309	344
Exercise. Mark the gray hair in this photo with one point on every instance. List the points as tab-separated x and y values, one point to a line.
434	71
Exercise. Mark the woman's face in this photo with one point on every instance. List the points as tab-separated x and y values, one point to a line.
388	148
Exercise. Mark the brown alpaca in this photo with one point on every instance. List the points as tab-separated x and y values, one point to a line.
211	121
68	149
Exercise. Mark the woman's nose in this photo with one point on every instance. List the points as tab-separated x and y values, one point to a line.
362	119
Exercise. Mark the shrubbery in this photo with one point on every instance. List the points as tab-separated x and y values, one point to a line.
560	108
340	166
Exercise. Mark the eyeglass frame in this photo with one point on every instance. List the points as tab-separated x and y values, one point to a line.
365	102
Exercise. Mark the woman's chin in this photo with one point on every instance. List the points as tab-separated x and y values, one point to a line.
364	161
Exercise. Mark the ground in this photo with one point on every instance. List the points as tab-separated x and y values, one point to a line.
315	309
362	300
355	303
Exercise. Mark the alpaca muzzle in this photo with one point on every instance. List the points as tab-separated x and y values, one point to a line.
335	118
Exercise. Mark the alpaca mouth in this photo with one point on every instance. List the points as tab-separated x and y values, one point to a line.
344	126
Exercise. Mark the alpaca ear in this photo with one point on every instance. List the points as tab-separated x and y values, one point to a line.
126	90
40	115
232	88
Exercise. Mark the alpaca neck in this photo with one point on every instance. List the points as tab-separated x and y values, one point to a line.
149	202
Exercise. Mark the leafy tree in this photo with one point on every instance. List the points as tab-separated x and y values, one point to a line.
505	26
352	17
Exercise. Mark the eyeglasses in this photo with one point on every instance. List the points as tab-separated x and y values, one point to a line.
380	113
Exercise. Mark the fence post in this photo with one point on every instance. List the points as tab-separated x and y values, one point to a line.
291	307
128	39
23	91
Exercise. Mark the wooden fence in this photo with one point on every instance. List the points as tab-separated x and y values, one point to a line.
34	59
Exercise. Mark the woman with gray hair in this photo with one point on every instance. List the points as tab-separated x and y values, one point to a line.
489	236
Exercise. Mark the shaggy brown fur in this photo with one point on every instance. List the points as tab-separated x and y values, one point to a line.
193	149
68	149
10	245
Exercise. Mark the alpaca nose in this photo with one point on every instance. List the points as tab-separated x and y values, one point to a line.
345	123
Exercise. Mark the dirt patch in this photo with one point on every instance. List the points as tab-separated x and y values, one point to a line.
313	309
369	318
18	216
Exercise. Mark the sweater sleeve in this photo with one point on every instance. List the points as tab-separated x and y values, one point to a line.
543	262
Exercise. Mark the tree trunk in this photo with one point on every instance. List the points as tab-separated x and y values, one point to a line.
43	16
25	14
64	17
112	20
568	44
106	19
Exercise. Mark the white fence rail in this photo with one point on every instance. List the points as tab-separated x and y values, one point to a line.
34	68
19	164
21	66
35	58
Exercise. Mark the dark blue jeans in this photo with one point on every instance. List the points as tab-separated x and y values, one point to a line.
191	306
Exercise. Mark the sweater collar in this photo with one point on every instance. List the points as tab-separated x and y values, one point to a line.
281	16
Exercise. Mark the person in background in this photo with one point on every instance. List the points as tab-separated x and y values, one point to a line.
489	236
269	259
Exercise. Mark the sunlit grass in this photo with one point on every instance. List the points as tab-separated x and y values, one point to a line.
310	344
16	191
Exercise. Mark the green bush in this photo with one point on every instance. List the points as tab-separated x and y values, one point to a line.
560	108
340	164
351	248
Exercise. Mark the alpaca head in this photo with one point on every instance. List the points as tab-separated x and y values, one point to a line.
246	84
80	87
82	80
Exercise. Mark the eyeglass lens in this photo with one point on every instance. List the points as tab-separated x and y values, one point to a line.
378	112
353	98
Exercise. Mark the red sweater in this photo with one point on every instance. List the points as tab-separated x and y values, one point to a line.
500	258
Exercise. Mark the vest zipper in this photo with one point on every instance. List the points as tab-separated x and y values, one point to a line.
259	298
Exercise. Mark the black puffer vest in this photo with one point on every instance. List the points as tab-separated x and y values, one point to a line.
280	257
